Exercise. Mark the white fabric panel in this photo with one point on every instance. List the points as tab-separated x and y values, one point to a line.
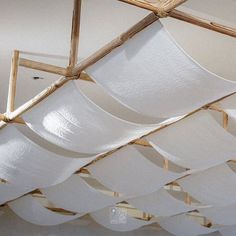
9	192
160	203
128	172
229	105
24	163
215	186
76	195
221	215
69	119
103	217
29	209
195	142
183	225
153	76
228	231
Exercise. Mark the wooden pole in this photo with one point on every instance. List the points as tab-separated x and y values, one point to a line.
12	82
225	120
75	33
83	65
43	67
203	23
187	18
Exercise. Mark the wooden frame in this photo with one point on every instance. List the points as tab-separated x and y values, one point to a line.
75	71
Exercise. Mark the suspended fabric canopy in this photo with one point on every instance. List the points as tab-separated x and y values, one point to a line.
152	75
225	215
215	186
117	173
69	119
184	225
28	165
28	208
228	105
196	142
76	195
160	203
122	224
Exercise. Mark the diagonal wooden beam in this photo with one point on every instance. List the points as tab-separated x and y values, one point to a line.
204	23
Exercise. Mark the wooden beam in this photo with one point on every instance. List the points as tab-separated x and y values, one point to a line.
75	33
203	23
186	17
225	120
12	82
43	67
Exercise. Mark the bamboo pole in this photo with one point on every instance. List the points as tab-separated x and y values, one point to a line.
114	43
83	65
225	120
43	67
187	18
75	33
203	23
12	82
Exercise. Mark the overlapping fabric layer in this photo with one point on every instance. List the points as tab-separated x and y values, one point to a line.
117	173
196	142
215	186
183	225
122	224
229	105
78	196
69	119
153	76
26	164
28	208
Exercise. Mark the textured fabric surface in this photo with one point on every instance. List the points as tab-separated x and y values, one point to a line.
153	76
160	203
32	211
128	172
78	196
229	105
104	218
26	164
69	119
183	225
215	186
196	142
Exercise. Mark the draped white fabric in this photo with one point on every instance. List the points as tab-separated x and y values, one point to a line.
160	203
11	191
78	196
215	186
69	119
196	142
28	208
153	76
26	164
228	231
118	174
229	105
221	215
104	218
183	225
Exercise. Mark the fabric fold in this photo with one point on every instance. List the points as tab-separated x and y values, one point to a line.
71	120
196	142
78	196
29	209
128	172
152	75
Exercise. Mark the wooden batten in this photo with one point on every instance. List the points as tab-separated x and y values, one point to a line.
225	120
75	33
12	82
43	67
